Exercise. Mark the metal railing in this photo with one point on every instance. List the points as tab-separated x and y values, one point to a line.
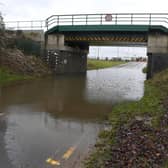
25	25
91	19
108	19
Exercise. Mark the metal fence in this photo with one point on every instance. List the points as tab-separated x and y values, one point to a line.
108	19
25	25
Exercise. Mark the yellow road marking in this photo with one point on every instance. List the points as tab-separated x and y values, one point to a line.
48	160
68	153
53	162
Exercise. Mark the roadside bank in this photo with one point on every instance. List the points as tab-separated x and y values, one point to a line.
7	77
16	64
99	64
144	70
138	137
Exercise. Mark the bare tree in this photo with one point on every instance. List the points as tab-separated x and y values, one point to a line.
2	25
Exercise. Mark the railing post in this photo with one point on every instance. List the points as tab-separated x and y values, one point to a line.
31	25
86	19
116	17
72	20
41	24
131	18
150	17
101	19
17	25
57	20
46	23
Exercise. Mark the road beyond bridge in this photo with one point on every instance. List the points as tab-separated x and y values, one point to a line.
68	37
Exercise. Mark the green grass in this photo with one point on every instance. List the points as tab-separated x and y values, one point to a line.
149	105
144	70
7	77
156	90
98	64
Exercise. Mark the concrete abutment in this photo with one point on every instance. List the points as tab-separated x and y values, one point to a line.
156	63
157	51
64	59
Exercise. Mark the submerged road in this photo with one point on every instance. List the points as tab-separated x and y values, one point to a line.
54	122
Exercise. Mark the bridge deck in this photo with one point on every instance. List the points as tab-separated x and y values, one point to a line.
106	28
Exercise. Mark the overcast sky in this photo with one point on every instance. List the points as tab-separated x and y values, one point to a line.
124	52
41	9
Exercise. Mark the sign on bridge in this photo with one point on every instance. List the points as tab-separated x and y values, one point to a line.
108	18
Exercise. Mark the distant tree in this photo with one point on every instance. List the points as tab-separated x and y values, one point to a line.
2	25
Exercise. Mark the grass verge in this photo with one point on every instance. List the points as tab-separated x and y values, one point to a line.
144	70
151	105
7	77
98	64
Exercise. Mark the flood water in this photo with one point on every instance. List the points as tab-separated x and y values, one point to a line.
59	118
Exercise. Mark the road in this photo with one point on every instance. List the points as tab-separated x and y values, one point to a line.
55	122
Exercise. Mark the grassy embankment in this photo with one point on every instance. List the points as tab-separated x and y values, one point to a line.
156	92
99	64
144	70
7	77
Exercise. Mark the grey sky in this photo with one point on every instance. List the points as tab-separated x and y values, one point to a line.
109	52
41	9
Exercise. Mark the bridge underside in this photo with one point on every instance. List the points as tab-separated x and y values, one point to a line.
105	39
103	35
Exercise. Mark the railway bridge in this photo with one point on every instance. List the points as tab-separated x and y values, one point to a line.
68	38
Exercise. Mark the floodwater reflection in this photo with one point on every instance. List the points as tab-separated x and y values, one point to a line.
44	118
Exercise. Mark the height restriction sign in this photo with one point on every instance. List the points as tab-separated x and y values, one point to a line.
108	17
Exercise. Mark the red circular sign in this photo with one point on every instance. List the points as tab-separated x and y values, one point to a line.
108	17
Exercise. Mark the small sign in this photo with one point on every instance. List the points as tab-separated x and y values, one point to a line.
55	53
65	61
108	18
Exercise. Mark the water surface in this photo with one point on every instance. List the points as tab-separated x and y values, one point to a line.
48	117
